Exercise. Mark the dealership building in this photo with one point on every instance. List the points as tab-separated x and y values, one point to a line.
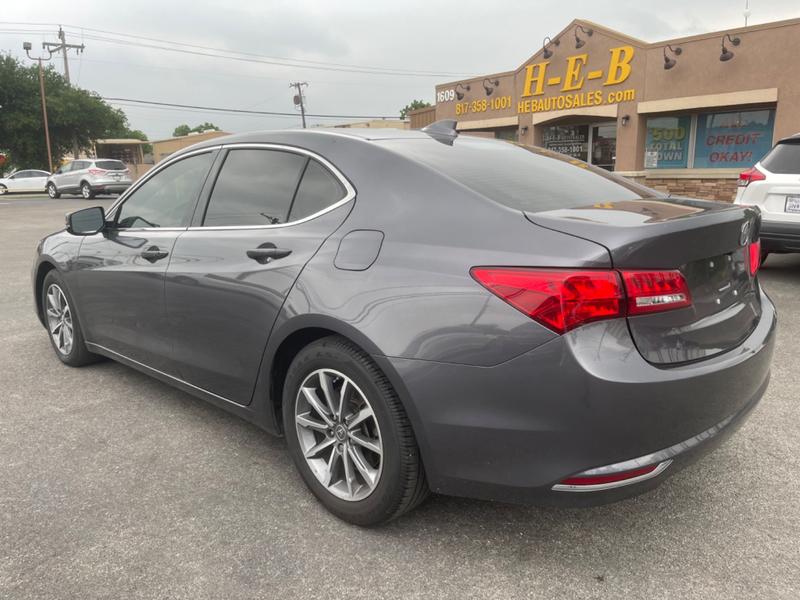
685	115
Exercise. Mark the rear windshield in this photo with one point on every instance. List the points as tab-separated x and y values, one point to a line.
110	165
783	159
521	177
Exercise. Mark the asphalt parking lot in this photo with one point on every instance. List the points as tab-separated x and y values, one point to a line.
113	485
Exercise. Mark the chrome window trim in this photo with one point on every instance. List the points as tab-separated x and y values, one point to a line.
149	175
350	192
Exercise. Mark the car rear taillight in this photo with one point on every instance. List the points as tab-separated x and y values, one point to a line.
655	291
755	256
558	299
749	176
97	171
563	299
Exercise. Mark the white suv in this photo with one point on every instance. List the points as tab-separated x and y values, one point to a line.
774	186
88	177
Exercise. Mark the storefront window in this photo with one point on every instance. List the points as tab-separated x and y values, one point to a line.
572	140
667	144
733	139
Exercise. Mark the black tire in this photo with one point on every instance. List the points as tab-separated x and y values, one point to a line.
402	484
3	189
78	355
52	191
86	191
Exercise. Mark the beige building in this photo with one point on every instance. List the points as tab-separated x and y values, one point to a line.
163	148
685	115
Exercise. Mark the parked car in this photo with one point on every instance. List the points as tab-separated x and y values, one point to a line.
773	185
89	177
27	180
419	311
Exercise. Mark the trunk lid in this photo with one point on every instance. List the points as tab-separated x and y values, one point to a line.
707	241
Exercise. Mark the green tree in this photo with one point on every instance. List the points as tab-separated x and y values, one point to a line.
184	129
415	104
71	112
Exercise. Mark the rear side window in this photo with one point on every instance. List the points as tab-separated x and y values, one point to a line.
110	165
318	190
783	159
254	187
521	177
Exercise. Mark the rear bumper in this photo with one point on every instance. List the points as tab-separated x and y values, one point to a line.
777	236
116	187
584	400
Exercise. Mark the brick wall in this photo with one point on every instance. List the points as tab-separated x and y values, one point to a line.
704	189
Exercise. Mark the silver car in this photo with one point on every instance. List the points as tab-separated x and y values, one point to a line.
89	177
28	180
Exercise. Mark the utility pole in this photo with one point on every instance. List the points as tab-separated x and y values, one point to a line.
27	47
62	46
299	100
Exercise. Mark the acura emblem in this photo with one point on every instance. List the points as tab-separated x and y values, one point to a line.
744	237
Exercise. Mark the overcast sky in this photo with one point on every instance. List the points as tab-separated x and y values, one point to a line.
449	38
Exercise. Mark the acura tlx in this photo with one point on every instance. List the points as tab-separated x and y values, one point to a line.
420	311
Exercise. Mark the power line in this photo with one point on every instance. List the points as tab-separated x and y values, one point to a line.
243	111
258	58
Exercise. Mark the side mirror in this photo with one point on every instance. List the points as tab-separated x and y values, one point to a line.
86	221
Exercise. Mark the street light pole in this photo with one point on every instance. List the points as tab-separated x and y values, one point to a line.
27	47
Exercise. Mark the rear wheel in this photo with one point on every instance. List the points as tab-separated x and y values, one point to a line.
62	323
52	191
349	436
86	191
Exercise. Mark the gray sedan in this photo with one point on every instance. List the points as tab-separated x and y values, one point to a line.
417	311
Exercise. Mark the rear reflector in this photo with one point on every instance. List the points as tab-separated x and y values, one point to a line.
655	291
605	478
755	256
558	299
563	299
752	174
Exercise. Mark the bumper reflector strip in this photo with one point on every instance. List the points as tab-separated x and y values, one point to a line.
603	479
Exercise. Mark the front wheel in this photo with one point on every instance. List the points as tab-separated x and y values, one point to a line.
52	191
86	191
349	436
65	331
3	189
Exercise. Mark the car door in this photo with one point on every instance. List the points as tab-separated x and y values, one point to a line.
120	281
37	181
64	176
16	183
268	213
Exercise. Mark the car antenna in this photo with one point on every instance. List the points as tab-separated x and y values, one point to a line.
443	131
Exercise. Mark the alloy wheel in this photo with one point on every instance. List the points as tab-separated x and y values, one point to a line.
339	434
86	191
51	190
3	189
59	319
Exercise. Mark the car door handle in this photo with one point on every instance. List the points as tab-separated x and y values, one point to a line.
267	253
154	253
